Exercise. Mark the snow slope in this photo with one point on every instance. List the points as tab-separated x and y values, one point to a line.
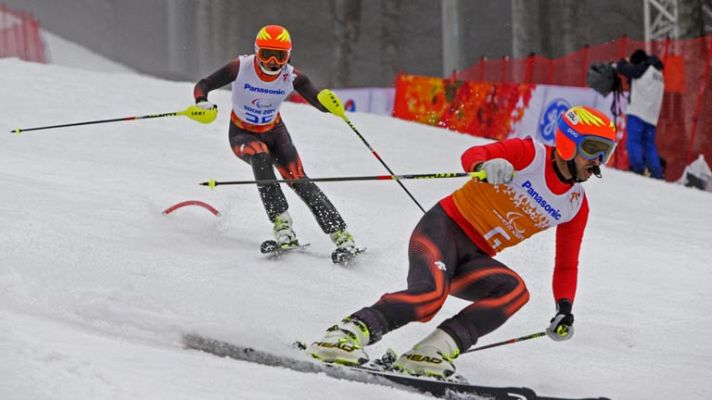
96	285
69	54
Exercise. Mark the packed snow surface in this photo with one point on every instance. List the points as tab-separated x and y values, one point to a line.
96	285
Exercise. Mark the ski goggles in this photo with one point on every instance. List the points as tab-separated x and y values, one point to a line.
273	55
594	147
589	147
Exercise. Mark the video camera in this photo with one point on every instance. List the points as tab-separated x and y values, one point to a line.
603	78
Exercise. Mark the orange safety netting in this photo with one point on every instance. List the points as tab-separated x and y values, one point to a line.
20	36
685	126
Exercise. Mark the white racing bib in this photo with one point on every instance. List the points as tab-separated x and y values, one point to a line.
255	101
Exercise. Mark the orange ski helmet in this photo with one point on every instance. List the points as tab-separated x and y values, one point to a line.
273	43
587	132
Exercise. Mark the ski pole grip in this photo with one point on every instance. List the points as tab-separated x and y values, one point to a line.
331	102
199	114
480	175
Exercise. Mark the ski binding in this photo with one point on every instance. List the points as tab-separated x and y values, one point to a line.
344	256
272	249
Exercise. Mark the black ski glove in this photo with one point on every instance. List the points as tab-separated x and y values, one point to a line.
562	325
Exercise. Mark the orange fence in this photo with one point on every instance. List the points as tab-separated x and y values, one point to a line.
20	36
685	125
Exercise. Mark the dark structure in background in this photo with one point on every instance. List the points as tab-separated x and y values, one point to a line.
554	28
348	43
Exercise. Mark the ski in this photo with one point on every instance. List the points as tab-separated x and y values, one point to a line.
272	250
366	374
345	256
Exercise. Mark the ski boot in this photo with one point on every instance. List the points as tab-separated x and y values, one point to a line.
342	344
285	237
345	247
431	357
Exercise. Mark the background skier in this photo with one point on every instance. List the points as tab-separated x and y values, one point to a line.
258	135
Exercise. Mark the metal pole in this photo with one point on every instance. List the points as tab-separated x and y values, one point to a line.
452	51
481	175
506	342
646	21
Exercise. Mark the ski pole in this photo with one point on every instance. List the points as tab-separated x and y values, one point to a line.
510	341
335	106
442	175
193	112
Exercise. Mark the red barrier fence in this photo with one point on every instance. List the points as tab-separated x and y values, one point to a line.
20	36
685	125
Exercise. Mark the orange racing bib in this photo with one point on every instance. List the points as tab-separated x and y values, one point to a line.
504	215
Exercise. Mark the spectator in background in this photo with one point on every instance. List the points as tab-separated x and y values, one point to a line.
647	85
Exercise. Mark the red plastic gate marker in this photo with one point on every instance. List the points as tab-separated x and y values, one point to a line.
191	203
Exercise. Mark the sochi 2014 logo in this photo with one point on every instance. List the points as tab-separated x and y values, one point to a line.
549	118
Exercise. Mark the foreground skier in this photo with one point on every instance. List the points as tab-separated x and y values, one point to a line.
530	187
258	136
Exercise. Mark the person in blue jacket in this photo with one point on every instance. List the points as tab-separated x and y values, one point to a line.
647	86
